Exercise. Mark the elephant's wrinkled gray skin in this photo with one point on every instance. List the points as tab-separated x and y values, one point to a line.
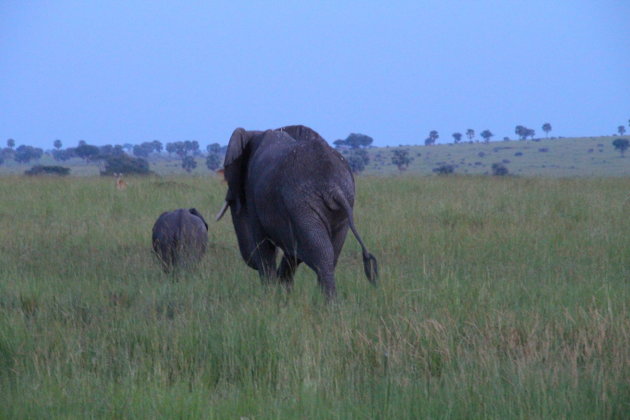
180	238
288	189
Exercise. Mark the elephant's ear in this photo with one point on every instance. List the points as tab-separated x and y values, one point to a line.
234	167
301	133
238	142
195	212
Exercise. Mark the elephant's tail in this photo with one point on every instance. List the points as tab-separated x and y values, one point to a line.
370	266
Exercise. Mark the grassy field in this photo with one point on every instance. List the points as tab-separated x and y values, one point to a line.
498	298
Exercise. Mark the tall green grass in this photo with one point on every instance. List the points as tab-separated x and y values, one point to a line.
498	298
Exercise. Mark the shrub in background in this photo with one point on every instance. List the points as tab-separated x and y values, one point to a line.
47	170
125	164
499	169
444	169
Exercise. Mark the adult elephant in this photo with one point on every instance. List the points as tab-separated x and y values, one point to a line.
288	189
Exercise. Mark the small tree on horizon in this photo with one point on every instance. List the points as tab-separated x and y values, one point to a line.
621	130
546	128
177	147
470	133
64	154
87	152
458	137
57	144
192	146
433	136
10	143
487	135
157	146
357	141
142	150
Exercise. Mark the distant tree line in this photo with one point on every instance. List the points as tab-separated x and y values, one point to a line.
23	154
521	131
125	158
143	150
129	158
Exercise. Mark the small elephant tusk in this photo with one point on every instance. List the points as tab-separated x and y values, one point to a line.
222	211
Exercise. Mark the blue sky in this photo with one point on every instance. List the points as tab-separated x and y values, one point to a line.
133	71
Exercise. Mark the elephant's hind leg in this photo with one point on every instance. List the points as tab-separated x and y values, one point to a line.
286	271
338	239
316	250
264	260
326	280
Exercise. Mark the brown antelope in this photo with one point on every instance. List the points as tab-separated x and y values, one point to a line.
120	183
221	174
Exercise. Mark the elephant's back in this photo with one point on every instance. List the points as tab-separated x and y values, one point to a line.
173	223
317	164
289	171
316	176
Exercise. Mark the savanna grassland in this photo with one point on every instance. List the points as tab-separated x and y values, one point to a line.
553	157
499	297
557	157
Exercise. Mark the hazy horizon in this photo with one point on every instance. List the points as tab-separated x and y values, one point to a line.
129	72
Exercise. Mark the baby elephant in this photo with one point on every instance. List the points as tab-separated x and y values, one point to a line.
180	238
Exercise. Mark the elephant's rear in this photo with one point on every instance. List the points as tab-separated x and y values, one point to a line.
179	238
337	191
193	238
164	239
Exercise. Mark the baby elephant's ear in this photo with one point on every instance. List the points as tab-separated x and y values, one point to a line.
194	212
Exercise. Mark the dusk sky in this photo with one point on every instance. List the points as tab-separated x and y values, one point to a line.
113	72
